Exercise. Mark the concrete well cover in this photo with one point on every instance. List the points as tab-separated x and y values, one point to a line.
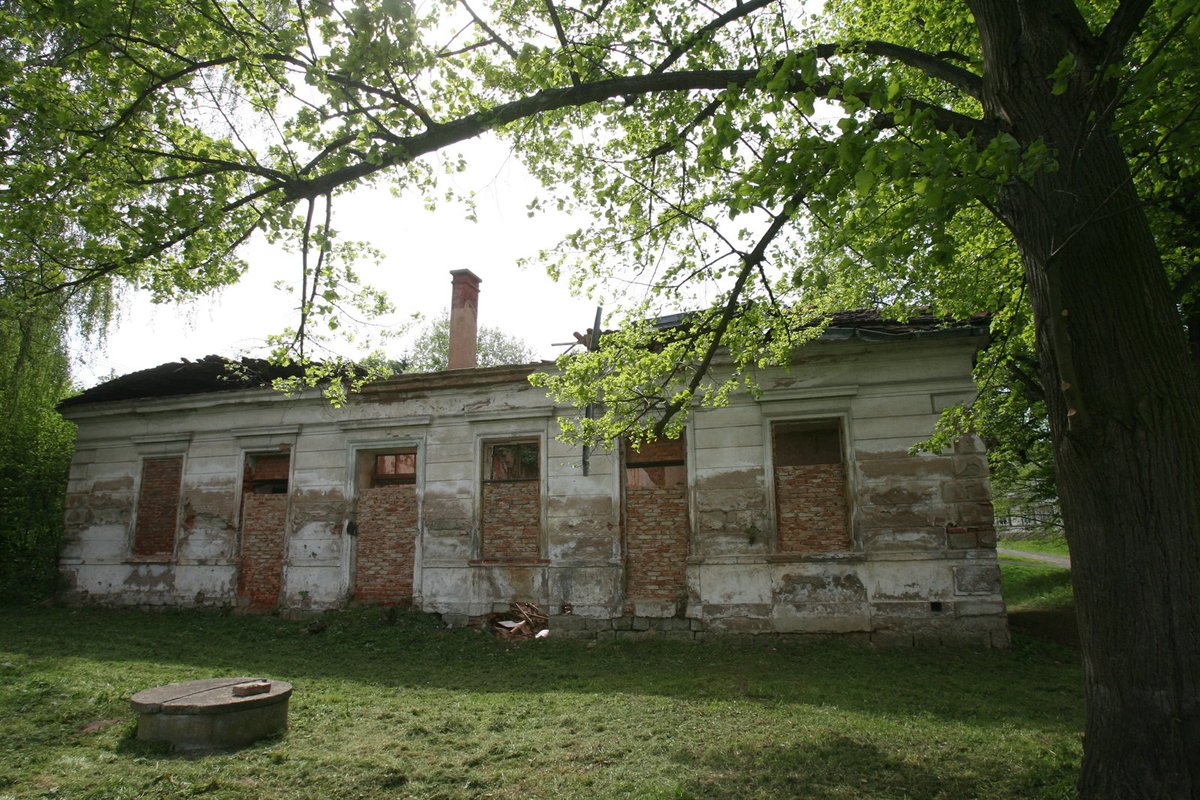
206	713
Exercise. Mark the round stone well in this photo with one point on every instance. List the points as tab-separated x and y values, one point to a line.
212	714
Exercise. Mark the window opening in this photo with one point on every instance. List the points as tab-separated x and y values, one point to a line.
394	469
517	461
510	526
799	444
266	474
660	463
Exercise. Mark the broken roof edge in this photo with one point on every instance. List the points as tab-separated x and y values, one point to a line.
455	378
212	374
870	325
178	380
207	375
871	320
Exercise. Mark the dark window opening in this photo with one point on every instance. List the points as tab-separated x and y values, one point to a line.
266	474
660	463
394	469
799	444
517	461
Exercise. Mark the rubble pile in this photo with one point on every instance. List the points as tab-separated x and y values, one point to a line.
523	621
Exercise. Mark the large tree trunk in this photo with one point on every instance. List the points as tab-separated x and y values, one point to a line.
1124	407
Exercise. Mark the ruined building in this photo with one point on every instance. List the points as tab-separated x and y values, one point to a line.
797	511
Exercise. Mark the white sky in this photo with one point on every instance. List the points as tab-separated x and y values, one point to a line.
419	250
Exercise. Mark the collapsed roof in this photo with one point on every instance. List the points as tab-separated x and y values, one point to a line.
209	374
219	374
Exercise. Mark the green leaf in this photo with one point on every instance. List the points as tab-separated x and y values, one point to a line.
1061	76
864	181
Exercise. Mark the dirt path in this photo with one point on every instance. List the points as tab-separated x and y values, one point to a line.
1045	558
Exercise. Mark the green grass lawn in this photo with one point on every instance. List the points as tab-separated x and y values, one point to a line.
1032	586
1050	544
401	708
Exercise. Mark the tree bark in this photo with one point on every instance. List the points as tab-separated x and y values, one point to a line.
1124	404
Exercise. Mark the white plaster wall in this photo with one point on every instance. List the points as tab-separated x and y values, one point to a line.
886	394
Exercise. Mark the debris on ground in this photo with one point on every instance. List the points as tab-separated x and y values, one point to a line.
523	621
100	724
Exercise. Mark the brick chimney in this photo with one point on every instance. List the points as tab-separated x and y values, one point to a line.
464	316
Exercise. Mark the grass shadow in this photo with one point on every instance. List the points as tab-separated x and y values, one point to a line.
842	768
363	647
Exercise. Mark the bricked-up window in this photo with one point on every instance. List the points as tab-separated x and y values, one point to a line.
511	521
392	469
266	473
385	525
265	503
810	487
656	521
158	507
661	463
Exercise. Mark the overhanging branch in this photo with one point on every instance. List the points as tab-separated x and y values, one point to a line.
409	148
1123	25
750	262
931	65
735	13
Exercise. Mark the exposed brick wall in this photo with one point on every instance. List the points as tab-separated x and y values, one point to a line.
656	533
158	506
512	512
264	517
811	503
387	532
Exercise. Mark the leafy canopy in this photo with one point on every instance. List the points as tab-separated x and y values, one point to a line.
755	162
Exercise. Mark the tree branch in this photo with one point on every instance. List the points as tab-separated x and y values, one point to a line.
409	148
1186	283
735	13
508	48
154	249
669	145
397	98
562	37
219	163
155	86
1123	25
750	262
931	65
1027	379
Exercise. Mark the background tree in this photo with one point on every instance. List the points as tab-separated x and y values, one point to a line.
752	161
35	451
431	349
